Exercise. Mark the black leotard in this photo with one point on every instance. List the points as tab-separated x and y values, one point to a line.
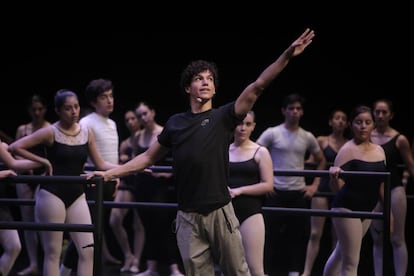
242	174
360	193
393	157
67	155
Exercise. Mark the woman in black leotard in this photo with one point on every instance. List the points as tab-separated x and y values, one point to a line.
354	193
397	151
67	147
330	145
250	178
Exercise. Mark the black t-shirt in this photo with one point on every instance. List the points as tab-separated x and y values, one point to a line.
199	146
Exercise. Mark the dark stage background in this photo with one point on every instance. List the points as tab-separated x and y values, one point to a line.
356	57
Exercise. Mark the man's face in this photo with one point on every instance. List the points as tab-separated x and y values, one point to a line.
293	112
104	104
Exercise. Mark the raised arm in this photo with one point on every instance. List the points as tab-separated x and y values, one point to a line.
248	97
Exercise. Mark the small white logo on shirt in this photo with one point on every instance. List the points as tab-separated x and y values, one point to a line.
205	122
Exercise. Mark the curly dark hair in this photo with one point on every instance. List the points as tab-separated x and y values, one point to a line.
196	67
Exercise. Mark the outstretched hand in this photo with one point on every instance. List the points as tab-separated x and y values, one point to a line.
302	42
